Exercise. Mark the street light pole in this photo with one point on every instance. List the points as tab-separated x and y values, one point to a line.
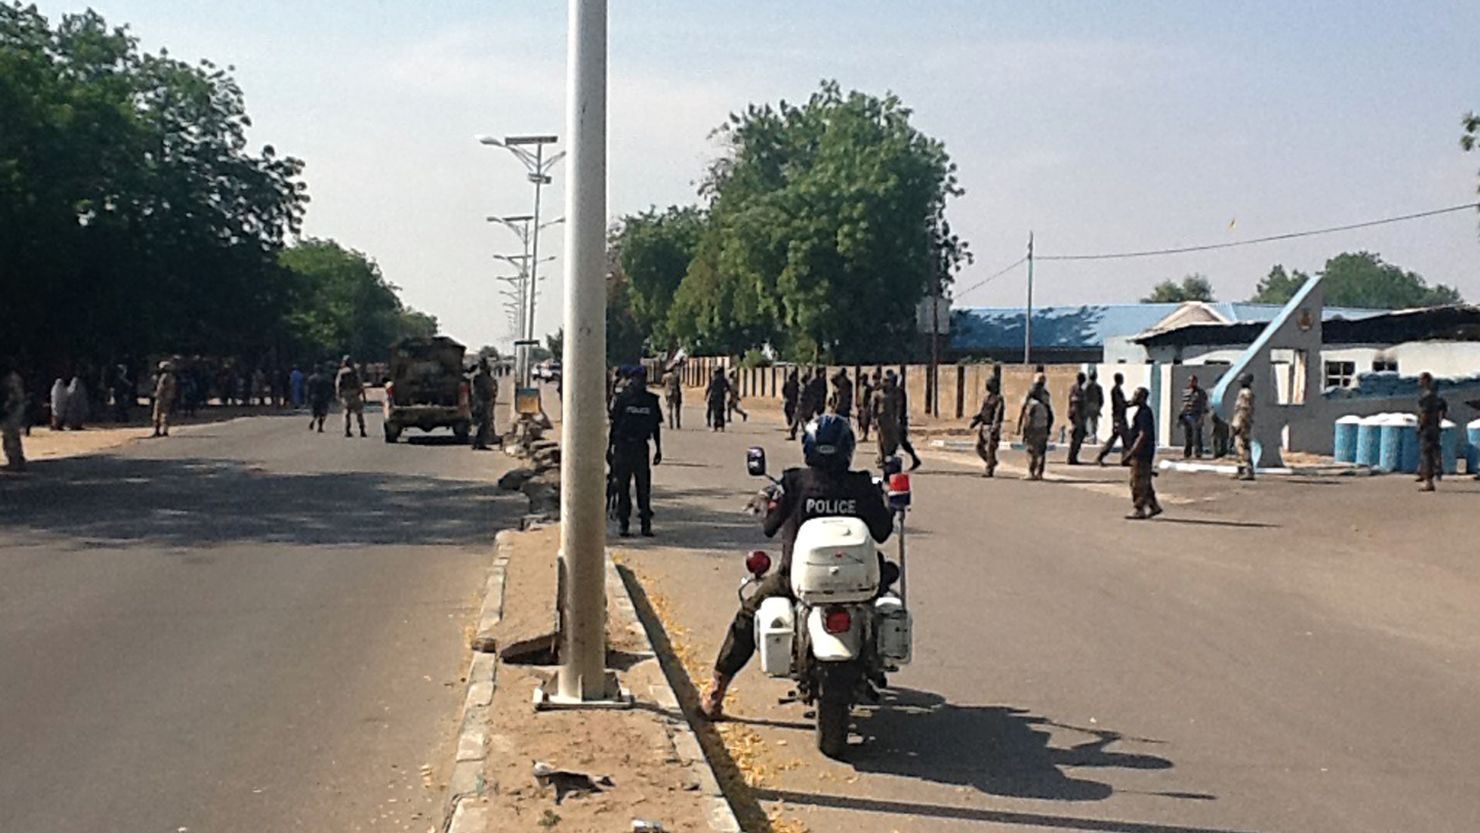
539	174
582	474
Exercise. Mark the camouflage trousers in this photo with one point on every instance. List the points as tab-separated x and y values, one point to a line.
1244	446
1143	493
987	442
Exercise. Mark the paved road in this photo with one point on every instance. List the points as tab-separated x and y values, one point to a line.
246	627
1281	656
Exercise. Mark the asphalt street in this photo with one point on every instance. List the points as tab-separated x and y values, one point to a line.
1287	655
244	627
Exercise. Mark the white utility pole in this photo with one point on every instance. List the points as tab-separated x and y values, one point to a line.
583	433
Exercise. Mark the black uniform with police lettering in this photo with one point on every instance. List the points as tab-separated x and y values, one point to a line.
806	494
635	418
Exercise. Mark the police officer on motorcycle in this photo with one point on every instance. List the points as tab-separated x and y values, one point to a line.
826	487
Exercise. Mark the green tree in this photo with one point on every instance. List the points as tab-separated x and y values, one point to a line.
1279	286
345	304
555	342
1360	279
653	253
1470	138
827	226
1194	287
135	218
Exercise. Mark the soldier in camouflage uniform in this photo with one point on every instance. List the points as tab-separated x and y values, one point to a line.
165	389
988	425
351	390
1242	427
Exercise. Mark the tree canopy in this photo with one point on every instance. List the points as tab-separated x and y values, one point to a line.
136	220
1359	279
343	303
1194	287
823	227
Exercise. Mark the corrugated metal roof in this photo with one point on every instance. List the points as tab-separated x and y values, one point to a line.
1088	327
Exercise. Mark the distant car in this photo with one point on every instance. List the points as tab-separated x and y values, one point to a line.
547	371
427	388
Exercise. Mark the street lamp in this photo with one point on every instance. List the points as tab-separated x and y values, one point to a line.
537	169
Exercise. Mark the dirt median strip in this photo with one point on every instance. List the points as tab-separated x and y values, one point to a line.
656	768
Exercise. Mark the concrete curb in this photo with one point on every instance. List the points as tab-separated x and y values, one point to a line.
1335	470
685	742
466	780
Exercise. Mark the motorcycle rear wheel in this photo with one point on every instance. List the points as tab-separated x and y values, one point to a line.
832	725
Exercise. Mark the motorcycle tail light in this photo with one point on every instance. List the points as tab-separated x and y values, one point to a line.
758	563
836	620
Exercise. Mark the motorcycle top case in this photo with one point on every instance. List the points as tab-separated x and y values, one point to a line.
834	560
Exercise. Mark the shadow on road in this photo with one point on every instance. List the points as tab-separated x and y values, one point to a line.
196	501
999	750
703	518
1046	821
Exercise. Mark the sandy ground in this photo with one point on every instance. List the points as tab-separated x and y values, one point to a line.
632	747
46	444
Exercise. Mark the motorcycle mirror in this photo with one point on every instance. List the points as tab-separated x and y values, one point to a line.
755	461
893	466
758	563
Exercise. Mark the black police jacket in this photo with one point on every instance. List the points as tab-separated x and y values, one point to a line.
815	493
636	417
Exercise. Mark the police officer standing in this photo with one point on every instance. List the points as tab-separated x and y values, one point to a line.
636	416
826	487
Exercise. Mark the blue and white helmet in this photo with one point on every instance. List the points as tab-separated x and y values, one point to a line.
828	443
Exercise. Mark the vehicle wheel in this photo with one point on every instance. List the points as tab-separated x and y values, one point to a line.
461	431
392	433
832	726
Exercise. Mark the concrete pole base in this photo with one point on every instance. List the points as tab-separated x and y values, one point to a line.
617	697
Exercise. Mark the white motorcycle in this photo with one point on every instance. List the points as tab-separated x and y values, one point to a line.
847	627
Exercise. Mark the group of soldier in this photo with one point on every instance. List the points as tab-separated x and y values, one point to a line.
1135	435
880	402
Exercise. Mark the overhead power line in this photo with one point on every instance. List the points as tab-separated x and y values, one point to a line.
999	273
1253	241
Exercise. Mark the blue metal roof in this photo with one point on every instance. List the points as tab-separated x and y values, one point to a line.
1088	327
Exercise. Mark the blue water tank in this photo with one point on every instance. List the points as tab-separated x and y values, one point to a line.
1369	440
1346	439
1409	463
1390	455
1449	447
1474	453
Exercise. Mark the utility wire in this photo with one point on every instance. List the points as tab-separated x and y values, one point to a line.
1250	242
999	273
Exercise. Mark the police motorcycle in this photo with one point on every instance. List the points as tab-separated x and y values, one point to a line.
848	625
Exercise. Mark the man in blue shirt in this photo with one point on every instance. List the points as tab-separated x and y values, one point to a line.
1140	456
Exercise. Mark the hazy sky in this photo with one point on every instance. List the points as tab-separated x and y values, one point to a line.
1101	126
